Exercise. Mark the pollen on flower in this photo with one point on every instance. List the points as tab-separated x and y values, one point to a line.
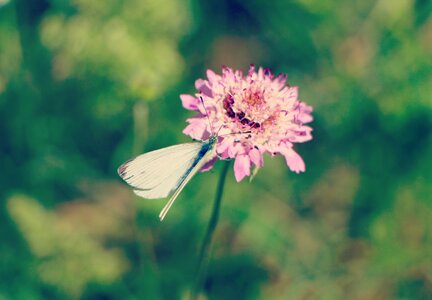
264	107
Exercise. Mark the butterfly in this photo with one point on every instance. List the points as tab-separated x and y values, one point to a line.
158	173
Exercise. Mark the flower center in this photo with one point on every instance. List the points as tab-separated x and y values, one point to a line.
254	99
238	116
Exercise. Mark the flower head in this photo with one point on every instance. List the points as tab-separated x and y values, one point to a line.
254	114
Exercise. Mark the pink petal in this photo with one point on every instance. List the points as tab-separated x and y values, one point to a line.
208	165
301	134
290	93
304	115
199	82
235	149
305	108
256	157
197	128
203	106
305	118
260	73
189	102
293	160
281	79
241	167
251	71
203	87
227	72
212	76
223	146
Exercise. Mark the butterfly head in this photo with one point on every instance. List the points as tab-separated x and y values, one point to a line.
213	139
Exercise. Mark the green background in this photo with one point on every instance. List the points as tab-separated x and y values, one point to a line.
86	85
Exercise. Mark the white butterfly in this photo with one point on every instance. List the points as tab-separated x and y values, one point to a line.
157	173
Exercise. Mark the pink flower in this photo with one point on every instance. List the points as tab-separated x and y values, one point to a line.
264	107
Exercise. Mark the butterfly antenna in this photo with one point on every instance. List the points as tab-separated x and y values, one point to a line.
232	133
208	116
222	126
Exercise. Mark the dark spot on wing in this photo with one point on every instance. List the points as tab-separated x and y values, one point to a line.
127	178
122	169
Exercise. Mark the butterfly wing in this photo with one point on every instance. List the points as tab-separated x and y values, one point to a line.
206	154
157	173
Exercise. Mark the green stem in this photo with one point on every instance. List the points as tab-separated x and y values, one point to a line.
204	255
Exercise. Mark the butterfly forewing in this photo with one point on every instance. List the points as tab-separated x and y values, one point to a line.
155	174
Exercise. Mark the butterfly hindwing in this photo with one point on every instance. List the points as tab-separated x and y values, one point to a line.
206	153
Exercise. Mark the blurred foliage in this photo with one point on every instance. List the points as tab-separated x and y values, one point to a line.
85	85
62	248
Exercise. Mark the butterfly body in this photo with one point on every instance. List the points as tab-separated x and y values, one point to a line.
158	173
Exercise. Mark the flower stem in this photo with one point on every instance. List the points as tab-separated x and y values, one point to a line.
204	255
